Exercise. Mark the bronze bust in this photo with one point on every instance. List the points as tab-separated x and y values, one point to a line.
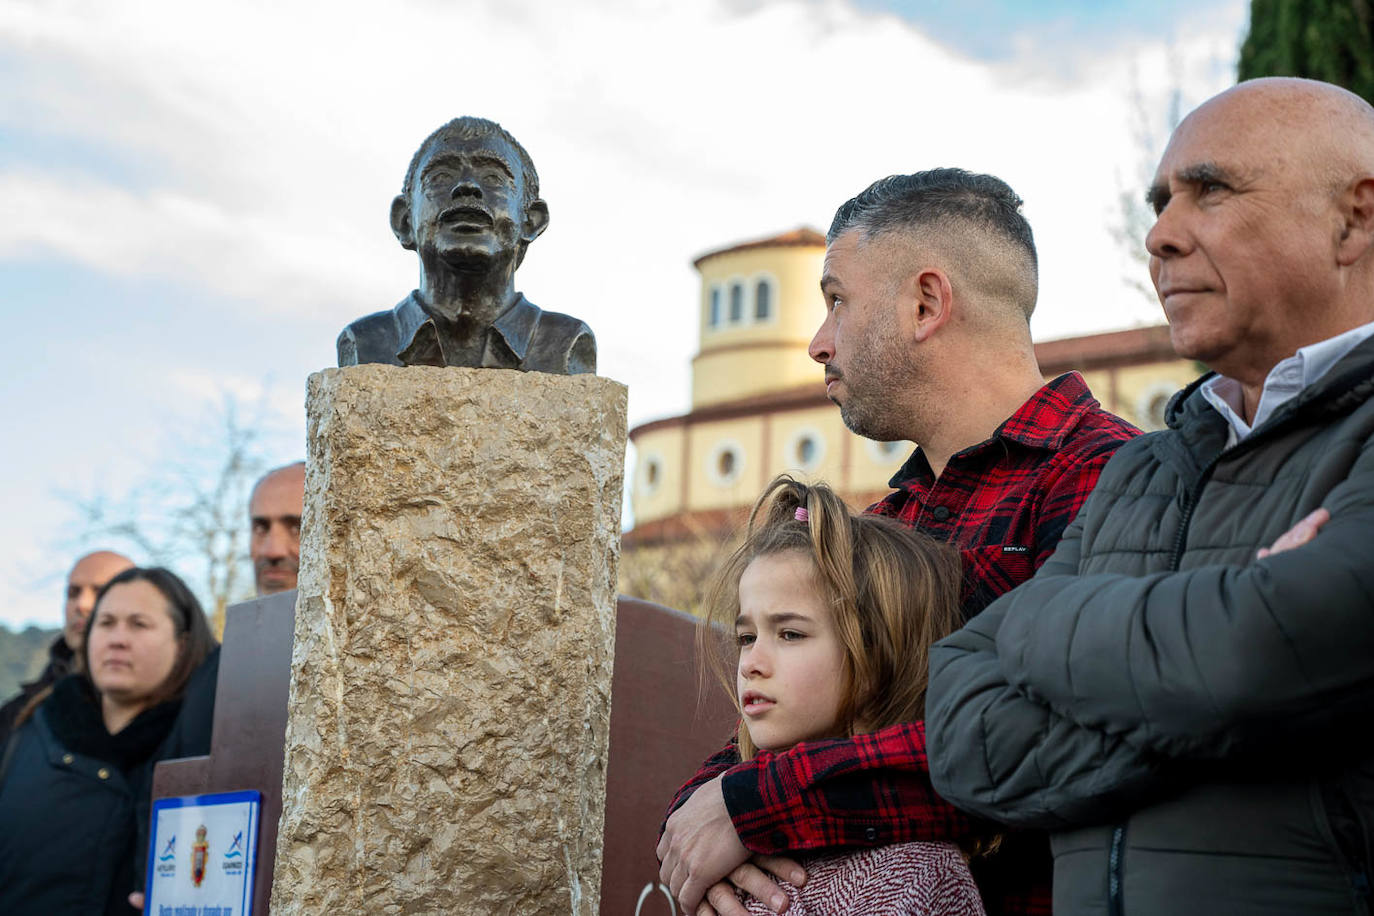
469	208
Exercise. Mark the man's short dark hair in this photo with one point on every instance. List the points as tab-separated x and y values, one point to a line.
470	128
925	199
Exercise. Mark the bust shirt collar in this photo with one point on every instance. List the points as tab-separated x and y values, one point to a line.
515	327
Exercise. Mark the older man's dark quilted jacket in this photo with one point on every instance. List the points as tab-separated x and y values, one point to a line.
1196	725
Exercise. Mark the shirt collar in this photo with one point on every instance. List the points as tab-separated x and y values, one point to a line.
1050	415
515	326
1283	383
1044	421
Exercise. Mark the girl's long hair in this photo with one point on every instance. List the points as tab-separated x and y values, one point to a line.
893	592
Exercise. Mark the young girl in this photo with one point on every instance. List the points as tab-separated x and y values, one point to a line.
833	615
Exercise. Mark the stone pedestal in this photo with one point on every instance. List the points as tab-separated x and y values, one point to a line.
451	676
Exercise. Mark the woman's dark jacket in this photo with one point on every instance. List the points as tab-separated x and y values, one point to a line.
68	806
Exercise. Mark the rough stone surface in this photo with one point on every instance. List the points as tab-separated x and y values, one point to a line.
451	676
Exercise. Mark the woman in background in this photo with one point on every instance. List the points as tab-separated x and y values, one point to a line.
76	775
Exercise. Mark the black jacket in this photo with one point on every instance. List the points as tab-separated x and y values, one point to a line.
68	806
60	663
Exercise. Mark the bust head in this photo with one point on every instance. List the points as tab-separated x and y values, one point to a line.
470	202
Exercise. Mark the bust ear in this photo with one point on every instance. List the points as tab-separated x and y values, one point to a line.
400	221
536	220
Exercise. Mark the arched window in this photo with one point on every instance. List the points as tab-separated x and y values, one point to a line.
736	303
714	316
763	300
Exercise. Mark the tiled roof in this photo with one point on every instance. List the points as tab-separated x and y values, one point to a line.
802	236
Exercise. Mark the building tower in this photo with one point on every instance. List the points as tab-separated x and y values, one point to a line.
758	401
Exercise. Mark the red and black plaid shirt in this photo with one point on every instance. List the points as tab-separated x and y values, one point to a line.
1004	502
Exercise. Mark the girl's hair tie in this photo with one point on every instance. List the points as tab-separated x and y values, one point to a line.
802	515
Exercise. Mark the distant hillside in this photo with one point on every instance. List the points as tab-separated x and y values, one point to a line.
22	656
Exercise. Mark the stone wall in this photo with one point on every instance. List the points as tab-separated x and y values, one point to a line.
451	675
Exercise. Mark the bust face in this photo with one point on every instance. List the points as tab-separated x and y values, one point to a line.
467	204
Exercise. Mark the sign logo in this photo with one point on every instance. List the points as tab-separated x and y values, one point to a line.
200	854
236	847
167	862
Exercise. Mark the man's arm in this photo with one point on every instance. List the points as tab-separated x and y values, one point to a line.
868	790
864	791
1214	661
1076	697
1001	754
718	763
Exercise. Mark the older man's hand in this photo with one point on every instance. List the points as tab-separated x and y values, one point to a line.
700	850
1305	530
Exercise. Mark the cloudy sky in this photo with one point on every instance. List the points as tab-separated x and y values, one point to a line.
193	196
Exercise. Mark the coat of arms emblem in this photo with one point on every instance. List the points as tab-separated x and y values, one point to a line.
200	855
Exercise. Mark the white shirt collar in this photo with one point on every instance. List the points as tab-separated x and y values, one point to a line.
1288	377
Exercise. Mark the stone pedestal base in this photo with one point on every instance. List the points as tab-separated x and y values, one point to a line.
451	677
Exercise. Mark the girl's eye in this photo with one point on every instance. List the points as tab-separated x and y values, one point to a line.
745	639
791	635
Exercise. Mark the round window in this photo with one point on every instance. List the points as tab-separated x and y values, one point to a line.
886	452
804	449
1151	405
724	463
651	474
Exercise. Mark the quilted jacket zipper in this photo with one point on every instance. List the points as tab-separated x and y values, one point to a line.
1114	903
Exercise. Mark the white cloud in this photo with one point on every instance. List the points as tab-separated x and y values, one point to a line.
249	150
660	129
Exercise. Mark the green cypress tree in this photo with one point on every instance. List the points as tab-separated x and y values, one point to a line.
1331	40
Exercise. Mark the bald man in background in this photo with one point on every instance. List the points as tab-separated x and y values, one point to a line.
88	575
274	512
274	545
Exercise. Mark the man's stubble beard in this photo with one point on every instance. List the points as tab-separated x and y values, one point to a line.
877	384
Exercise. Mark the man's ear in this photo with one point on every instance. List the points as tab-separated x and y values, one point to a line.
400	221
932	301
1357	235
536	220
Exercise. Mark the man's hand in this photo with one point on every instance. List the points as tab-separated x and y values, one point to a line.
1305	530
753	878
700	850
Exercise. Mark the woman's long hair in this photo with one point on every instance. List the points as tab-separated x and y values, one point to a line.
893	592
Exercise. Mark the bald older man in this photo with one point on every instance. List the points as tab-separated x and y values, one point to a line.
88	575
274	515
1182	693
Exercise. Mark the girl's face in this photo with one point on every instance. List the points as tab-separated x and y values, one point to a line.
133	643
790	677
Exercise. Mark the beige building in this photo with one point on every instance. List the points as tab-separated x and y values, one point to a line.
759	406
758	400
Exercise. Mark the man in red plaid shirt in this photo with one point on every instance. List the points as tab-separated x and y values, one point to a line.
929	282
